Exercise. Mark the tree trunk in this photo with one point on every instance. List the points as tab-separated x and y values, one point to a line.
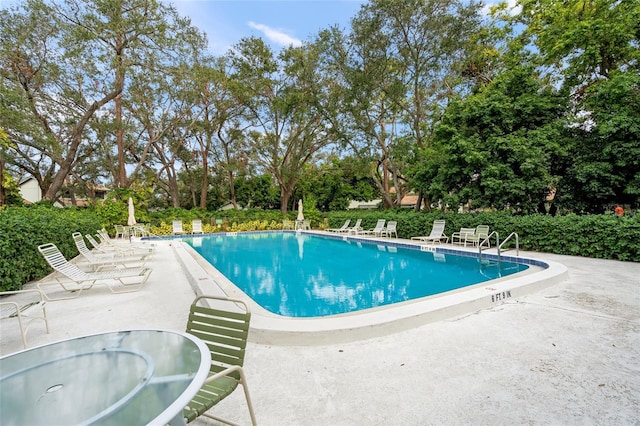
232	190
285	195
121	181
173	188
418	206
204	185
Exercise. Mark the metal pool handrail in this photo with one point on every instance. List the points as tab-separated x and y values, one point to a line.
498	244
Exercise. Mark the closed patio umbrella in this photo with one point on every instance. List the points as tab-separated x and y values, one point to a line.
300	215
132	218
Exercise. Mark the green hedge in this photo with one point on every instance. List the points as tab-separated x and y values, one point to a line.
161	219
23	229
597	236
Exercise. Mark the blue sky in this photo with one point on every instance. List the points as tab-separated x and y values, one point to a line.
280	22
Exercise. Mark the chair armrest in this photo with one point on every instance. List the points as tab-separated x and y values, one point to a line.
23	304
224	373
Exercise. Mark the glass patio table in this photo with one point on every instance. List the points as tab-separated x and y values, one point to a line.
132	377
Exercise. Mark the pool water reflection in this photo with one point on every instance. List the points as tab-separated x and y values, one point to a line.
303	275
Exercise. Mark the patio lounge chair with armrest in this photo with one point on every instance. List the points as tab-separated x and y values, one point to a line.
391	228
481	233
437	233
121	231
139	247
177	227
287	224
343	228
355	228
223	324
119	250
107	260
461	236
25	305
139	230
196	226
73	279
377	231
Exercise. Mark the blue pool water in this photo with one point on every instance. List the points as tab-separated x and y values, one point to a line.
302	275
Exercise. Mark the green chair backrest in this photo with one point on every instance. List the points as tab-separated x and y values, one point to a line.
482	230
224	331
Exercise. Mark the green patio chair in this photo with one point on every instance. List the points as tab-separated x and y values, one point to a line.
480	234
463	236
224	327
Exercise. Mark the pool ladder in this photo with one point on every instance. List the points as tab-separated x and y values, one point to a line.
499	245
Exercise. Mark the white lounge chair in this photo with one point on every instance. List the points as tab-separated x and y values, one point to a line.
121	231
391	228
287	224
177	227
108	260
437	233
355	228
461	236
27	306
196	226
121	250
343	228
377	231
74	280
139	247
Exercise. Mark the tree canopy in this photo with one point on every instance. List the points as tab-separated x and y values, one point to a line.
515	110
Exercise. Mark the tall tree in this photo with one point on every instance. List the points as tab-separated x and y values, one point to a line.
494	148
127	37
161	107
592	48
67	62
281	95
401	66
42	68
220	132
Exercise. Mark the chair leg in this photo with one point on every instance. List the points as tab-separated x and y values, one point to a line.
23	332
245	387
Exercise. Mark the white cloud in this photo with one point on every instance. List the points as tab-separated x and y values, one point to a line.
512	7
275	35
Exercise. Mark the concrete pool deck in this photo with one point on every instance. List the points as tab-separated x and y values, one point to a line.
566	354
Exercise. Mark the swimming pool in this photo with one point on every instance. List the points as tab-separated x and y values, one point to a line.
302	275
272	329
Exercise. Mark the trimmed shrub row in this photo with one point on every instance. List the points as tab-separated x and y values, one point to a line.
597	236
23	229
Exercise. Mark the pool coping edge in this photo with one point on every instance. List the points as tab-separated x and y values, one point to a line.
271	329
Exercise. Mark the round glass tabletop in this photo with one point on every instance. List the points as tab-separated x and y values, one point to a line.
125	377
